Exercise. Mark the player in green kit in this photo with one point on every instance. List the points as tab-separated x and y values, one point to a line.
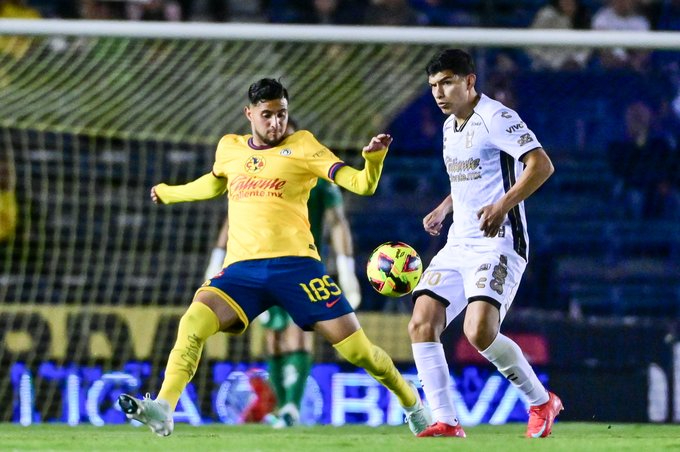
271	259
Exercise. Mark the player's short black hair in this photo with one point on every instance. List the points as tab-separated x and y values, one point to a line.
266	89
455	60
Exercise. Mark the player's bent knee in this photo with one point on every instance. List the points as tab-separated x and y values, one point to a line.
229	320
479	336
423	330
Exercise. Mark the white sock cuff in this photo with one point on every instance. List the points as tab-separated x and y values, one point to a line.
422	348
499	347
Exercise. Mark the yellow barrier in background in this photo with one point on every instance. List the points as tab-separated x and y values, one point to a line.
141	325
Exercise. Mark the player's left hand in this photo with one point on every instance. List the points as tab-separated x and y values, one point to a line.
491	219
378	143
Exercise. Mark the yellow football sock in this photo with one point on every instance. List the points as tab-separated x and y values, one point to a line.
358	350
195	326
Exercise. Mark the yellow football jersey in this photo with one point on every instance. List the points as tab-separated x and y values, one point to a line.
268	189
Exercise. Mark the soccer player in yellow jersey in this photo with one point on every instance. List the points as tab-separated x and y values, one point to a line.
8	201
271	258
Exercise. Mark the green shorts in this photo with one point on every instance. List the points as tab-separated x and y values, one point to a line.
275	318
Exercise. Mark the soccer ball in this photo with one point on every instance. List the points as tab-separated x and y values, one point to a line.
394	269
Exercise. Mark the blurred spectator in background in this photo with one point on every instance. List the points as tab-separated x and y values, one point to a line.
17	9
500	87
668	20
8	203
206	10
567	14
669	17
289	11
646	166
622	15
16	46
244	10
445	13
325	11
390	12
101	10
504	67
337	12
155	10
667	60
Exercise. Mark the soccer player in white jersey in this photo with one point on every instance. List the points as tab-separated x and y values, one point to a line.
494	162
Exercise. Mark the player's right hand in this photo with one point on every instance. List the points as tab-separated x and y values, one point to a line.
432	223
154	196
378	143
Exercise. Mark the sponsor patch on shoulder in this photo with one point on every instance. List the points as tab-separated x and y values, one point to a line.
524	139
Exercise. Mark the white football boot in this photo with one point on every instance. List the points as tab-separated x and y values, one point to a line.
288	416
156	414
418	417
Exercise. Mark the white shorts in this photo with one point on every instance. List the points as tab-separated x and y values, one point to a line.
460	274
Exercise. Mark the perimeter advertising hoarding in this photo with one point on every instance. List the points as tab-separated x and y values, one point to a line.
590	364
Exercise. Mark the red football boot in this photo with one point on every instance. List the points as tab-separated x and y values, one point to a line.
442	429
541	417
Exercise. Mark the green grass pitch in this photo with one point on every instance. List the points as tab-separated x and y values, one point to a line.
567	436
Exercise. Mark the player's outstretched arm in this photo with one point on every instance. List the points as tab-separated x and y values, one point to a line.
365	182
207	186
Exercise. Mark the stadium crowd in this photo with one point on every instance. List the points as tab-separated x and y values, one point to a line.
619	14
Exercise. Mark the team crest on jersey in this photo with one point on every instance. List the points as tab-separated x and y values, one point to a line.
255	164
285	152
468	138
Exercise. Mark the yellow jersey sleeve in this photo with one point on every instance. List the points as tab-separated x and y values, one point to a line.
321	161
207	186
364	182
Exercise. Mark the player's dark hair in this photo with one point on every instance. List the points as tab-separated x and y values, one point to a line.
455	60
266	89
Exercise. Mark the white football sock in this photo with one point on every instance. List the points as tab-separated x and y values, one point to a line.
433	372
508	358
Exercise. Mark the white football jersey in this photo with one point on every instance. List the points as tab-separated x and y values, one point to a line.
482	159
